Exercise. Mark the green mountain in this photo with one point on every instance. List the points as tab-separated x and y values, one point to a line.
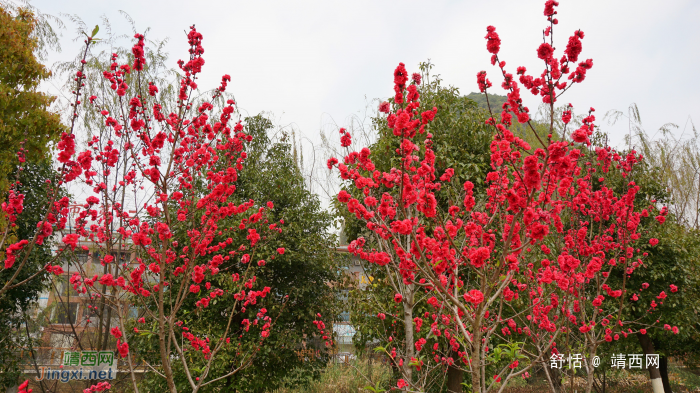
495	100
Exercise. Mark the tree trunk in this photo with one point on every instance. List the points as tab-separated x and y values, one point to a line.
554	378
654	374
165	356
369	368
589	380
605	381
663	370
476	361
408	327
454	377
590	368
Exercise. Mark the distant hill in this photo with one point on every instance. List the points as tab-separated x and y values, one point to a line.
495	100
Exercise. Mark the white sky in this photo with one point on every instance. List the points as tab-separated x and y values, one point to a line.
313	63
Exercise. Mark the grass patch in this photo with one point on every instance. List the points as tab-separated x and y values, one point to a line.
352	377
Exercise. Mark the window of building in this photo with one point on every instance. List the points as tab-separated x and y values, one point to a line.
65	288
343	296
66	313
69	261
81	256
60	340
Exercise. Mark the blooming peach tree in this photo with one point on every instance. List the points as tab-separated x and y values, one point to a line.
547	253
161	177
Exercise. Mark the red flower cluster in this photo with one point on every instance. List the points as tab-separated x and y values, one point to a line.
24	387
14	205
139	54
56	269
99	387
12	251
474	296
493	42
345	139
122	348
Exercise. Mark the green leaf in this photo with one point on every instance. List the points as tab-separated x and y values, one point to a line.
95	30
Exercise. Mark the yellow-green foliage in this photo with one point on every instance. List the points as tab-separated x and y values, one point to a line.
24	111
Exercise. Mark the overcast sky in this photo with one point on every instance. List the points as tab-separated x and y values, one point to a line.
315	63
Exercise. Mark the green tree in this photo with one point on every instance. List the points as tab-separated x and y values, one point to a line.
305	273
674	260
24	111
670	177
